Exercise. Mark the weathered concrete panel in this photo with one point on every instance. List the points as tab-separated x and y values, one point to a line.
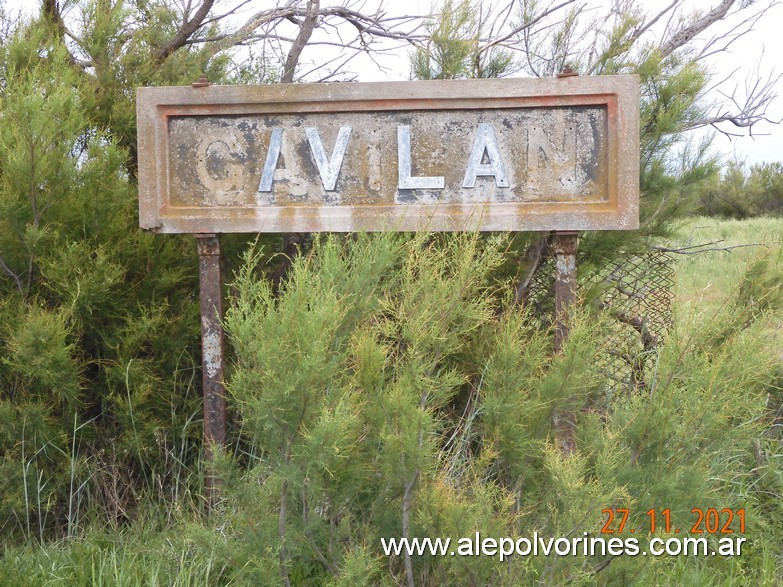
559	154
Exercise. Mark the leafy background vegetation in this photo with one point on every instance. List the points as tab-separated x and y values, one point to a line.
380	386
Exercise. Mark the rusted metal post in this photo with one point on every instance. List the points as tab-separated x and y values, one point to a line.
211	354
564	246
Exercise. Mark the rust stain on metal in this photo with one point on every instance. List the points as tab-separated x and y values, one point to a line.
515	154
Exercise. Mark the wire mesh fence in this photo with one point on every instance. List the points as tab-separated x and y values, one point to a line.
637	293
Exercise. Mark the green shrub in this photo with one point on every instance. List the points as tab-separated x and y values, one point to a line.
417	409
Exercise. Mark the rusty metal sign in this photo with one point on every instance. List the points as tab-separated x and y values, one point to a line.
510	154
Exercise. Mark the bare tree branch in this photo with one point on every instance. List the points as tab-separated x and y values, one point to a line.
687	33
646	26
231	12
52	12
305	32
536	254
526	25
706	247
186	30
720	43
745	112
634	37
262	26
17	280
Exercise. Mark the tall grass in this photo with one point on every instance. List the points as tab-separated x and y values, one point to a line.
708	278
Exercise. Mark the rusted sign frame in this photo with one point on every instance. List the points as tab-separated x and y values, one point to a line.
155	106
618	94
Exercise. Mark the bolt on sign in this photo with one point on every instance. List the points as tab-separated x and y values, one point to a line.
507	154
